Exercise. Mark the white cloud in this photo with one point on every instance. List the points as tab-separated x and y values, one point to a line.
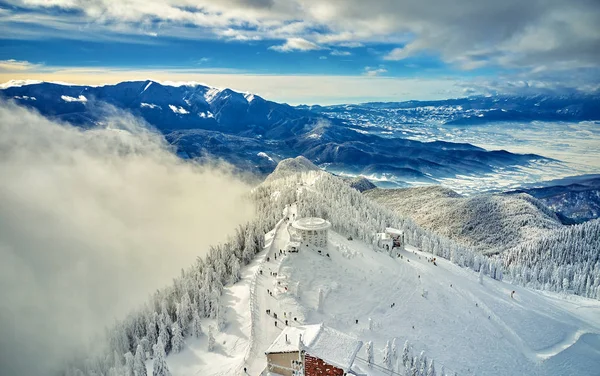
340	53
91	223
469	33
12	65
66	98
372	72
296	44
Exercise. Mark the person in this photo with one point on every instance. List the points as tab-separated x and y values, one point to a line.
286	322
245	370
512	294
275	322
357	321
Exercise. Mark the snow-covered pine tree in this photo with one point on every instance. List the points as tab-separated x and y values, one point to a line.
414	368
387	356
422	364
235	268
163	334
211	339
160	367
221	317
406	354
177	339
394	350
139	362
196	326
321	301
184	314
431	369
369	353
129	364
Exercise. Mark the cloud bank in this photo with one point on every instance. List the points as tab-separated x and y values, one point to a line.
466	33
91	222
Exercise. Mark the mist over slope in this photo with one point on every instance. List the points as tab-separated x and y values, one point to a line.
91	222
489	222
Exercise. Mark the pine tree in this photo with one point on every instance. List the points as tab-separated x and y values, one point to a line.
369	351
220	318
431	369
196	326
177	339
422	364
321	301
129	364
394	351
406	354
160	367
387	356
139	362
235	269
211	339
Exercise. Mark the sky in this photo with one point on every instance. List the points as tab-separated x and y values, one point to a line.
310	51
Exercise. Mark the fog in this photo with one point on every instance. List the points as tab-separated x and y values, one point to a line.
91	222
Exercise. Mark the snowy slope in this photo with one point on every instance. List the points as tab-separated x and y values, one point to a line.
470	327
489	222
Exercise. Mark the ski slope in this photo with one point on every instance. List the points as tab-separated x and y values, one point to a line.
469	326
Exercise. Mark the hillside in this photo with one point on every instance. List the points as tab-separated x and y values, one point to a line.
489	222
575	199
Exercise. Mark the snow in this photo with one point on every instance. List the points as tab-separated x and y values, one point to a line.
265	155
18	83
292	344
25	97
311	223
334	347
249	97
211	94
67	98
149	105
469	327
147	86
394	231
178	110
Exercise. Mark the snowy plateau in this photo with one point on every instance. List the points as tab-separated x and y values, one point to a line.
459	315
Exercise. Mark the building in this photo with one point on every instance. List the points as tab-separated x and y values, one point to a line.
390	239
311	231
312	350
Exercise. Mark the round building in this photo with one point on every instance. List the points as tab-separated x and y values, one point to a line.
312	231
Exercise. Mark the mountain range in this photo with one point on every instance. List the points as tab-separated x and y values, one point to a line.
254	134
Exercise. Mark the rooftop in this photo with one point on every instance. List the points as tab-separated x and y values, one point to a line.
334	347
311	223
394	231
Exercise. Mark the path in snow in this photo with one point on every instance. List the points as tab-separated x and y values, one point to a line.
265	331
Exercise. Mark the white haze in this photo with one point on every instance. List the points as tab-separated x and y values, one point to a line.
91	222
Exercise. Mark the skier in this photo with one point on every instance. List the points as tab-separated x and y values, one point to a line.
512	294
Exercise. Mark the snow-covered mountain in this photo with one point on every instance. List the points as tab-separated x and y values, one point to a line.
218	318
254	134
471	110
575	199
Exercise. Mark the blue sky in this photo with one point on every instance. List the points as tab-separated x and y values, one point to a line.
345	50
